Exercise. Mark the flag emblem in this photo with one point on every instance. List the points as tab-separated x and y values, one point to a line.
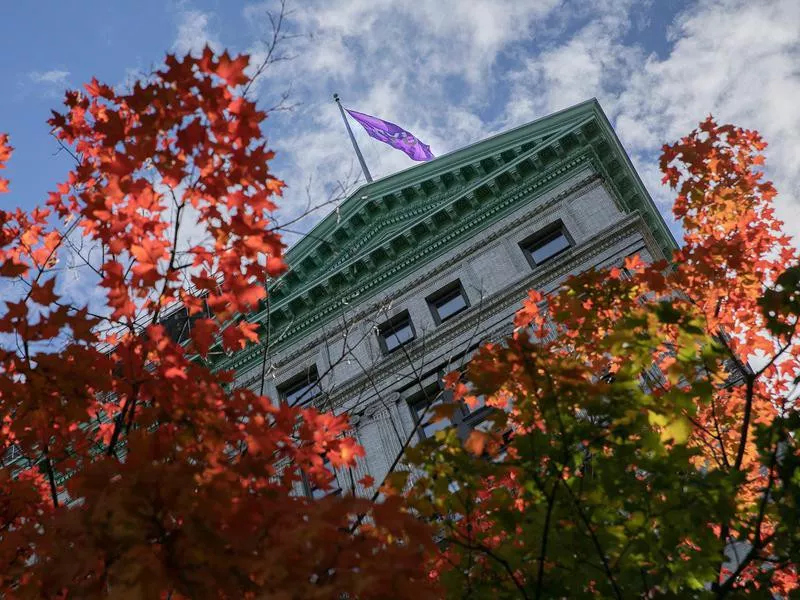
394	135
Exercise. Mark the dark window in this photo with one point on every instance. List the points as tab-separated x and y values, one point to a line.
475	416
428	426
396	332
608	377
12	454
463	418
301	388
425	412
178	323
448	302
544	245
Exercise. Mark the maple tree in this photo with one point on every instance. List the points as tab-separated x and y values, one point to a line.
649	448
145	472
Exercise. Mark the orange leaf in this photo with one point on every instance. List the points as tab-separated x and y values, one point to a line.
634	263
232	70
203	332
175	373
235	337
476	442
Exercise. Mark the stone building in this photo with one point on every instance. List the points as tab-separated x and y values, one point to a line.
415	270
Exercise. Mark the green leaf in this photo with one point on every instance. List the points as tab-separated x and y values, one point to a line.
678	430
656	419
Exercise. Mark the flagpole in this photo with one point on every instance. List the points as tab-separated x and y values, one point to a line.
353	139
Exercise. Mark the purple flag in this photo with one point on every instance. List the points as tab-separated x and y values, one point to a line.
395	136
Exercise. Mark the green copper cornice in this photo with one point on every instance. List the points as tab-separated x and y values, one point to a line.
446	166
629	186
391	227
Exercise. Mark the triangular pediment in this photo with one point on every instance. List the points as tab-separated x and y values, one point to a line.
436	180
408	200
389	226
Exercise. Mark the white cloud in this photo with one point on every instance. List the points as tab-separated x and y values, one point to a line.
49	84
587	65
735	59
454	72
52	77
193	32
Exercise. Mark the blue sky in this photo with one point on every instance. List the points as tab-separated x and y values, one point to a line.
451	71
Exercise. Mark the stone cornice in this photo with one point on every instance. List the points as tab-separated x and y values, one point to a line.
394	226
407	263
423	203
531	133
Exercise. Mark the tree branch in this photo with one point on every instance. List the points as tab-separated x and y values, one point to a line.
499	559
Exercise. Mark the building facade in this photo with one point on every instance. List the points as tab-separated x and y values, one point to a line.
416	270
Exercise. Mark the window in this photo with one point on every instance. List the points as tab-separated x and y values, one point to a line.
476	415
12	454
545	244
422	410
608	377
301	388
178	323
465	419
394	333
447	302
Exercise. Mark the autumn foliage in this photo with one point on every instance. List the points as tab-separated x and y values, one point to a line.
647	449
150	476
650	448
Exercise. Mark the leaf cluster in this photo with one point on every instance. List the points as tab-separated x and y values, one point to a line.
640	453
